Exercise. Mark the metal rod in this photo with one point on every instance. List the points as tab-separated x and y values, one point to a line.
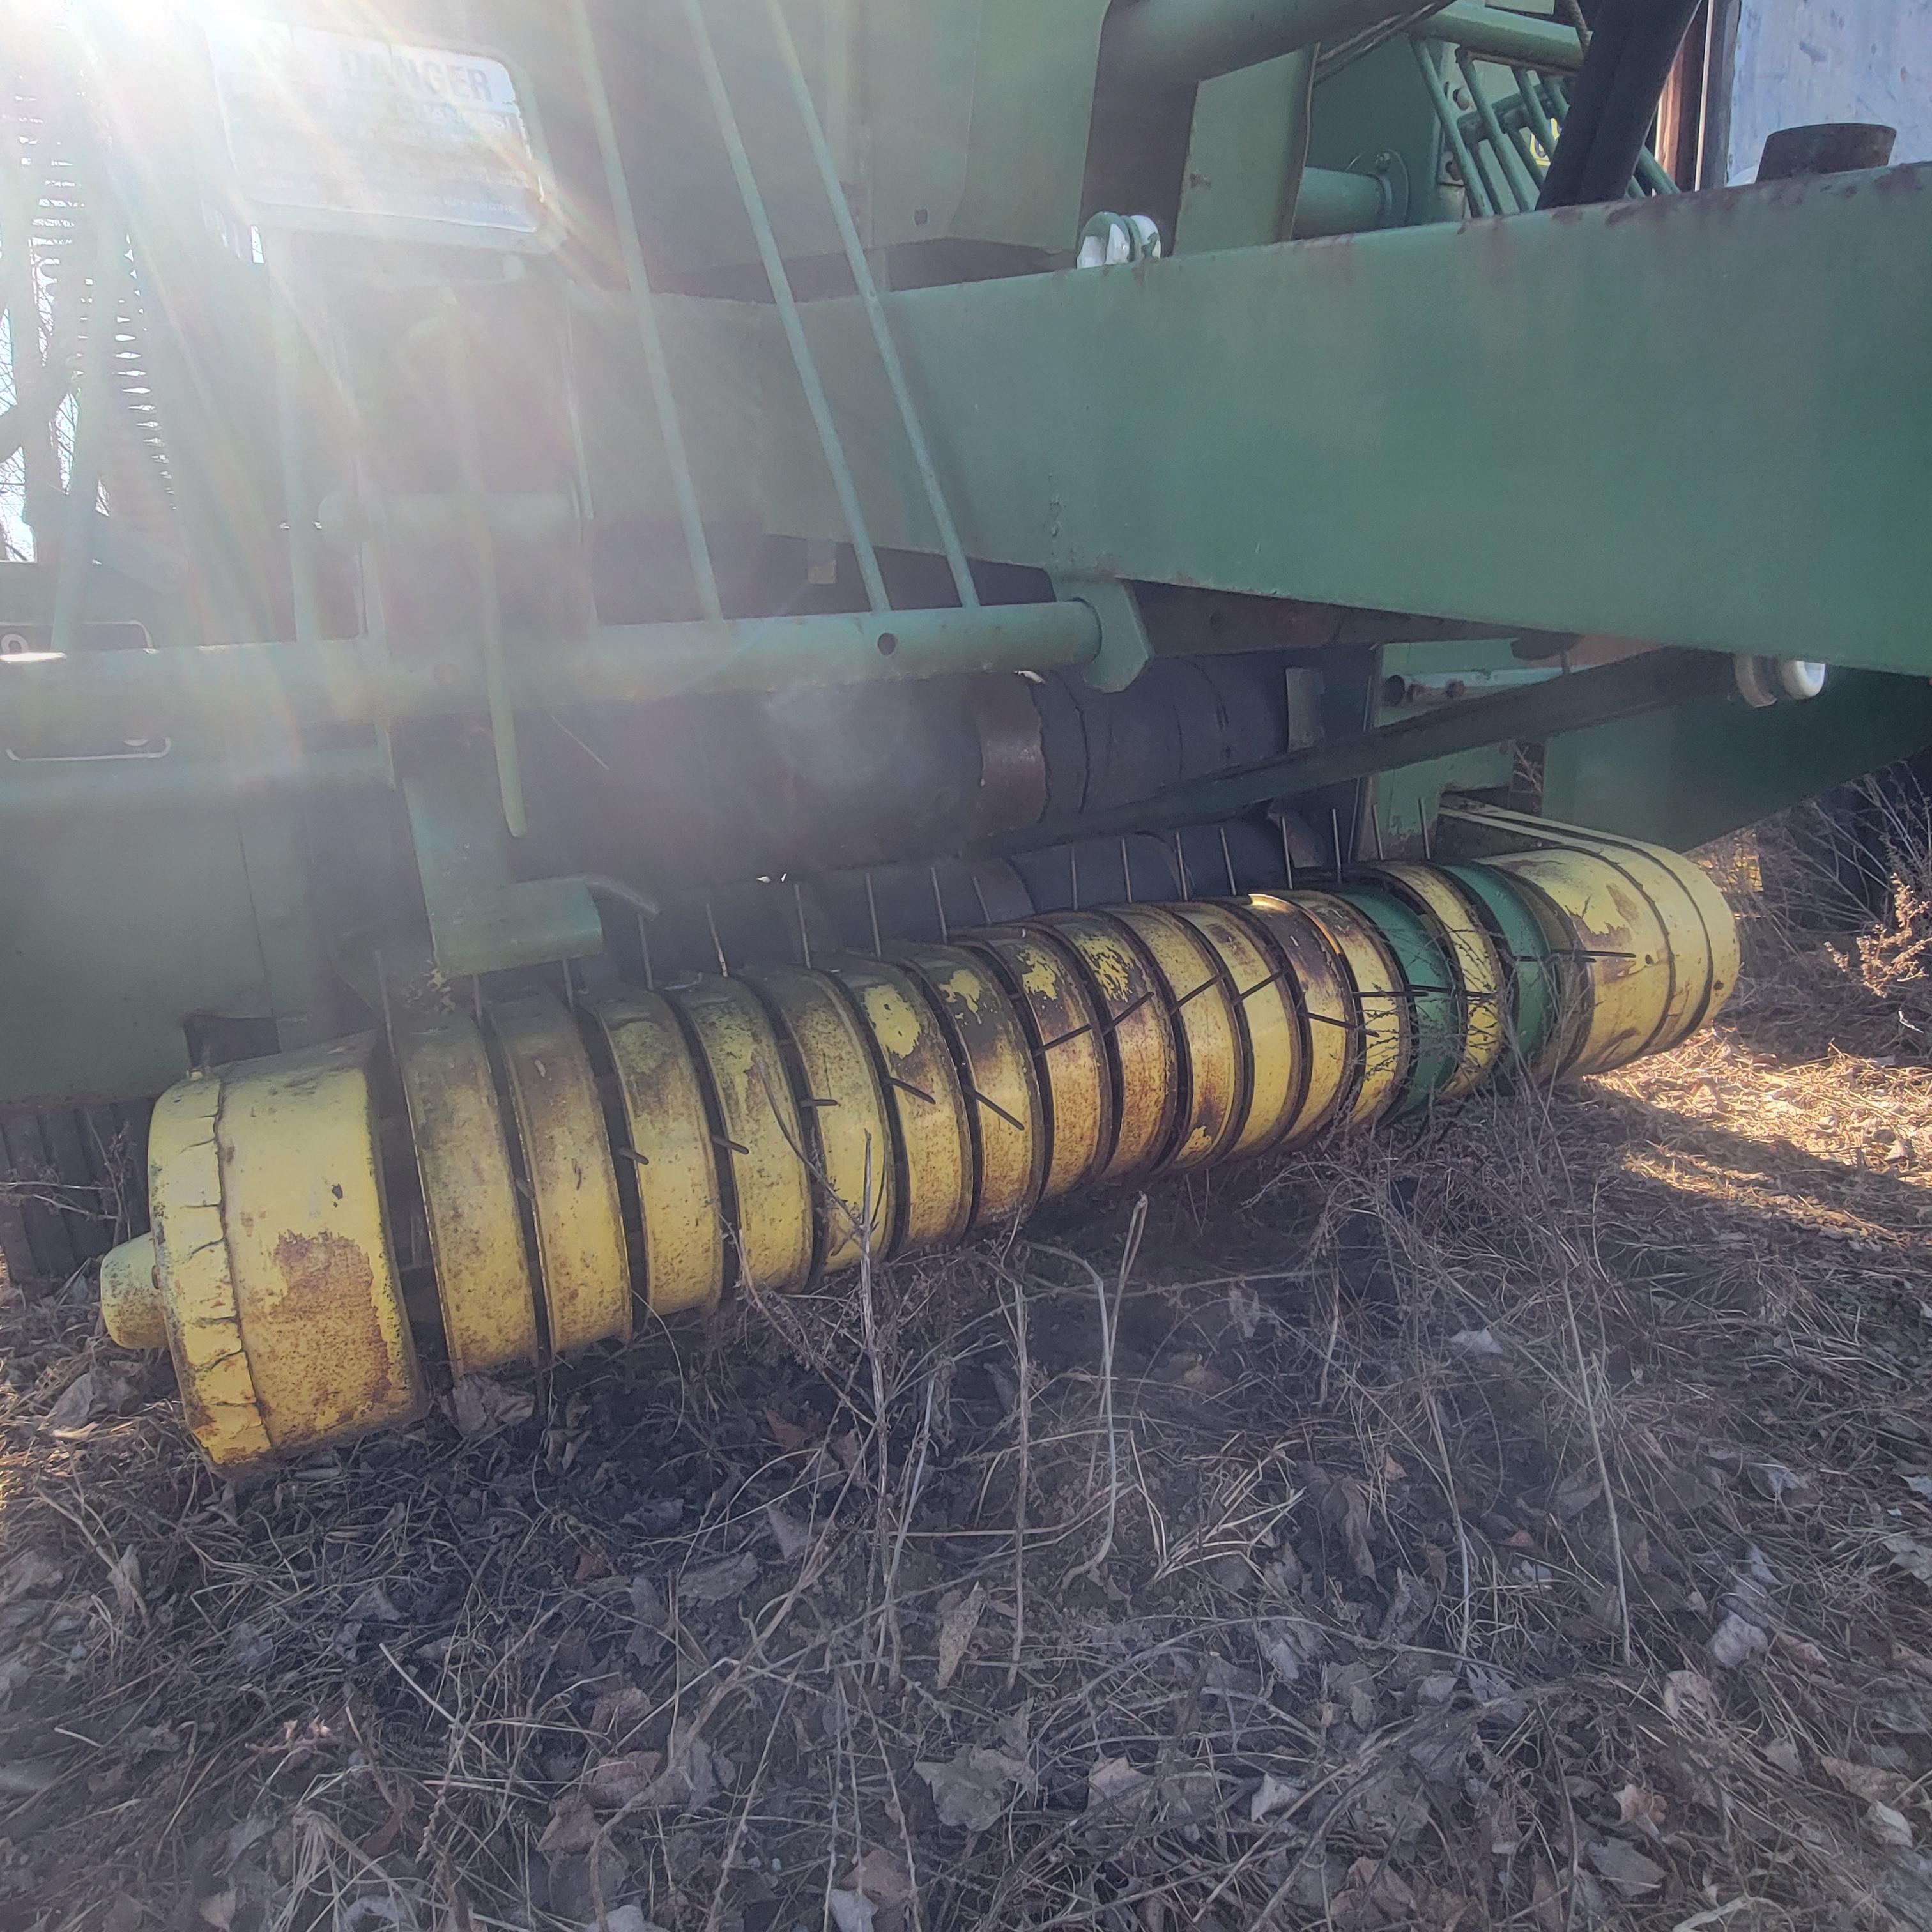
875	312
1523	188
1516	38
93	396
1536	119
1473	186
775	275
644	305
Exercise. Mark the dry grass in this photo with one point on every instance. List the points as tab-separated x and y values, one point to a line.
1522	1521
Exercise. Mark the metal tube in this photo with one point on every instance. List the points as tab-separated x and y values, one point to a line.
1337	201
1177	43
875	312
93	398
643	306
1517	175
1493	34
270	689
1474	188
769	254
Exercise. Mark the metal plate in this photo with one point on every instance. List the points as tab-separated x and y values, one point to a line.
671	1160
934	1139
1271	1029
1430	989
1530	978
217	1388
1063	1025
1385	1031
1617	935
843	1108
476	1242
1207	1032
1003	1099
1143	1062
566	1161
1313	973
762	1143
316	1298
1457	928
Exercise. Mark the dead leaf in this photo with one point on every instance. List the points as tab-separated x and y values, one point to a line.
217	1908
1474	1341
1889	1827
880	1877
1634	1802
1689	1698
1783	1753
1865	1780
1576	1493
1800	1650
1734	1643
1626	1867
1911	1556
792	1538
125	1577
788	1435
713	1582
28	1574
616	1781
28	1777
592	1564
74	1406
956	1626
572	1826
481	1406
972	1790
1343	1507
1114	1783
1277	1794
851	1911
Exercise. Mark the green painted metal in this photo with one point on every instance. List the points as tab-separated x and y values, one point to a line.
1173	43
1498	34
1524	953
1431	992
1306	420
275	687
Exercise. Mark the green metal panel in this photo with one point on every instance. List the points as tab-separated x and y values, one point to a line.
1649	419
1682	776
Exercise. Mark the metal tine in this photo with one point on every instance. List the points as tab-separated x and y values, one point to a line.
804	936
875	312
1126	871
1287	854
644	954
717	944
1376	819
1228	859
1180	867
1073	870
872	912
939	904
1335	832
772	259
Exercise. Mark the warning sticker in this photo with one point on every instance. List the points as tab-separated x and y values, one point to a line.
329	128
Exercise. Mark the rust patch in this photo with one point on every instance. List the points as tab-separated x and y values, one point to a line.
330	1343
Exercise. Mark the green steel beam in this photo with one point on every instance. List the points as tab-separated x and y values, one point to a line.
280	687
1698	419
1496	35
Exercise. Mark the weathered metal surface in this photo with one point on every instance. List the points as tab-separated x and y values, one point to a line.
130	1295
933	1137
1430	992
1213	1073
1142	1059
1063	1026
843	1111
760	1144
470	1198
1268	1030
566	1155
1382	1031
1311	971
670	1160
1457	930
1651	341
1531	988
1003	1105
317	1305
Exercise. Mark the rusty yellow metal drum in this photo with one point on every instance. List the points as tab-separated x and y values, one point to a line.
842	1108
1311	971
1062	1028
1385	1033
1270	1029
1212	1050
1003	1107
581	1257
668	1163
487	1297
1143	1061
1619	937
283	1308
932	1136
1457	928
760	1143
774	1128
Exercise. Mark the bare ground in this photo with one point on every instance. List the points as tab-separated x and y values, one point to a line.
1525	1520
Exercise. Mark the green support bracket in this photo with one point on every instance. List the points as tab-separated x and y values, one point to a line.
1125	649
482	920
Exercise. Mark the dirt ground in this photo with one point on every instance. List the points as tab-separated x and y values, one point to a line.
1524	1520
